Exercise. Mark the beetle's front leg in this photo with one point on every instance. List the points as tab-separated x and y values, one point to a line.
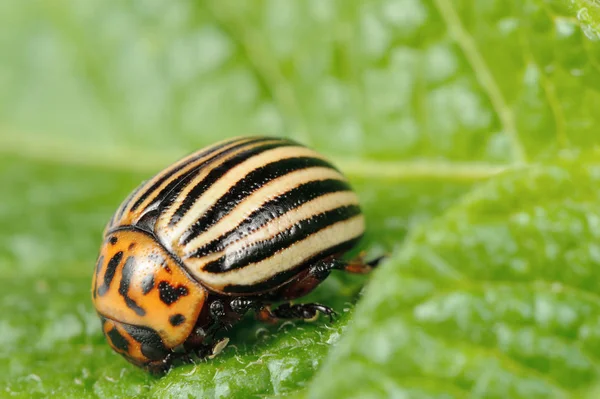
221	317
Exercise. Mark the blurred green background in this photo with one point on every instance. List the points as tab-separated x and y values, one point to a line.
418	101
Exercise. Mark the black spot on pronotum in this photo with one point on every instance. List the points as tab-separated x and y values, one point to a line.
131	246
151	345
147	284
169	294
118	341
127	274
99	264
131	304
160	260
109	274
98	267
113	240
176	319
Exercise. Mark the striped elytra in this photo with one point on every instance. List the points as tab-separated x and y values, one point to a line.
244	221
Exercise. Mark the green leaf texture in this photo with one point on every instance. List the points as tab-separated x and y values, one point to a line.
497	298
464	126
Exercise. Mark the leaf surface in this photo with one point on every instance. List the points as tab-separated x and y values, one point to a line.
497	298
417	101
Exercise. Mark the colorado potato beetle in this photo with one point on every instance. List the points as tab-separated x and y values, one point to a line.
238	226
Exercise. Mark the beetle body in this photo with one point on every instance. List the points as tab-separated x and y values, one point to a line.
232	227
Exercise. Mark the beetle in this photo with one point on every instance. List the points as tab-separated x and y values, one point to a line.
238	226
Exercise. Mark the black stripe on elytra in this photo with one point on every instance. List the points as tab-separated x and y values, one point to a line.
111	222
109	274
216	153
169	294
118	340
167	197
121	211
285	276
246	186
152	345
265	249
166	175
126	275
271	210
215	174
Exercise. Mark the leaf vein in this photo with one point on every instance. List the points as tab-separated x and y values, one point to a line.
483	74
145	161
263	65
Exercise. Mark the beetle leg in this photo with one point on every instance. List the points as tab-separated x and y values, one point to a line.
321	269
224	314
184	358
305	311
315	274
264	312
203	351
217	310
266	316
358	265
221	317
241	305
169	361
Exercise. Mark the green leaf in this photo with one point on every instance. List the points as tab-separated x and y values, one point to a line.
416	100
494	81
497	298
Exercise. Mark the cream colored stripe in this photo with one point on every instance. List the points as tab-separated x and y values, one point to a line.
258	198
286	221
221	186
181	172
287	258
163	228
